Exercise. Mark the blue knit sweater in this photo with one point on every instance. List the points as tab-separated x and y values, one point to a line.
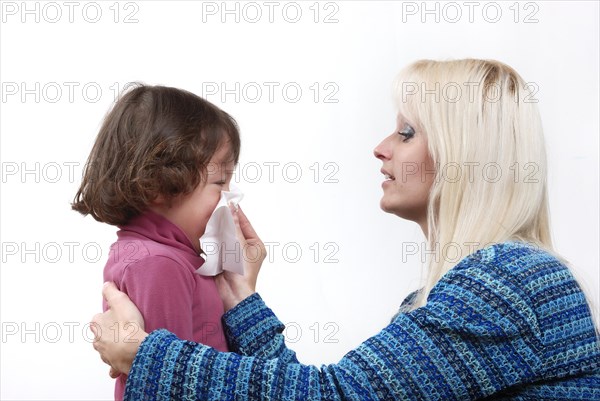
509	322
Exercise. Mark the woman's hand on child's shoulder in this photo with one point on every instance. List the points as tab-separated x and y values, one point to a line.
119	331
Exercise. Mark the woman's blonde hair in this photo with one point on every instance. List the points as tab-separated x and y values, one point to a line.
485	137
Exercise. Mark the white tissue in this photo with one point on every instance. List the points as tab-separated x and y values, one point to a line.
219	242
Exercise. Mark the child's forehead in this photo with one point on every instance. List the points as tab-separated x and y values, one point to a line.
224	165
224	151
223	155
223	161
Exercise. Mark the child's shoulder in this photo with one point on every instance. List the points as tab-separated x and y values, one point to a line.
131	252
143	261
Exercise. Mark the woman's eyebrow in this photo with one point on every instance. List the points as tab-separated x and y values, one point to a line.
402	118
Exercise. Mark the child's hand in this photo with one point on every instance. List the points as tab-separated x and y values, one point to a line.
235	287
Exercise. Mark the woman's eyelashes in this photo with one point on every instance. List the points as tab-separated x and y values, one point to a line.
407	132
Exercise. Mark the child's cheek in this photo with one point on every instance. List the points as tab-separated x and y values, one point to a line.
212	202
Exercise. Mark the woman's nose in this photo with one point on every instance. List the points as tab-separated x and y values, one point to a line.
381	151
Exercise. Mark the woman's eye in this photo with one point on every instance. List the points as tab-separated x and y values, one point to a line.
407	132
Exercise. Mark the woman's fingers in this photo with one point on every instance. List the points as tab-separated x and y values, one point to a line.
112	295
234	287
245	225
242	224
124	317
254	248
116	299
236	221
94	326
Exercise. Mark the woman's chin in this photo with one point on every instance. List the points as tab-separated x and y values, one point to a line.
397	210
386	206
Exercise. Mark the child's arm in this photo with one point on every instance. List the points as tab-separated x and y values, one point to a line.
162	289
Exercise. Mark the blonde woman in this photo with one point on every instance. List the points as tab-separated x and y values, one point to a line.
500	316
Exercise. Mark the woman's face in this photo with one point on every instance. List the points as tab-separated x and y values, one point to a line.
409	172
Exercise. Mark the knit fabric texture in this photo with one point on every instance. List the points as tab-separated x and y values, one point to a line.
508	322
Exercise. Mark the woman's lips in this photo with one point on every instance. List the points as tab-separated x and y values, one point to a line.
388	177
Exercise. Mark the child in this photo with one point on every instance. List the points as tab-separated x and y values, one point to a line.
157	169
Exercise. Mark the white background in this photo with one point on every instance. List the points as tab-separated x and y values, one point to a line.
49	293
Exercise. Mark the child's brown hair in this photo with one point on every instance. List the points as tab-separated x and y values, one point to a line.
156	141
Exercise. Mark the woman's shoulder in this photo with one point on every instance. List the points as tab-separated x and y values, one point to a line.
511	271
533	290
517	271
523	284
523	262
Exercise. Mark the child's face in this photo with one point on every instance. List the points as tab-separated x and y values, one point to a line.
192	211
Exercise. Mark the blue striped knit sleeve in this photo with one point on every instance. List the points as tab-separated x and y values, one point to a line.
481	334
252	329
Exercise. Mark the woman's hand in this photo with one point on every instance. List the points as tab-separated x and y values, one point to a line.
235	287
118	332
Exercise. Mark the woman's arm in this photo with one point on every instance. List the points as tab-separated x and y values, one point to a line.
252	329
422	355
478	335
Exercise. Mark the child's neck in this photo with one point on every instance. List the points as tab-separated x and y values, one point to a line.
178	220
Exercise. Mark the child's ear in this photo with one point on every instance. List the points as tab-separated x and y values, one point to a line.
159	200
165	202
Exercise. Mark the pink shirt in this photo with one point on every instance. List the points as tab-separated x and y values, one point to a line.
154	262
